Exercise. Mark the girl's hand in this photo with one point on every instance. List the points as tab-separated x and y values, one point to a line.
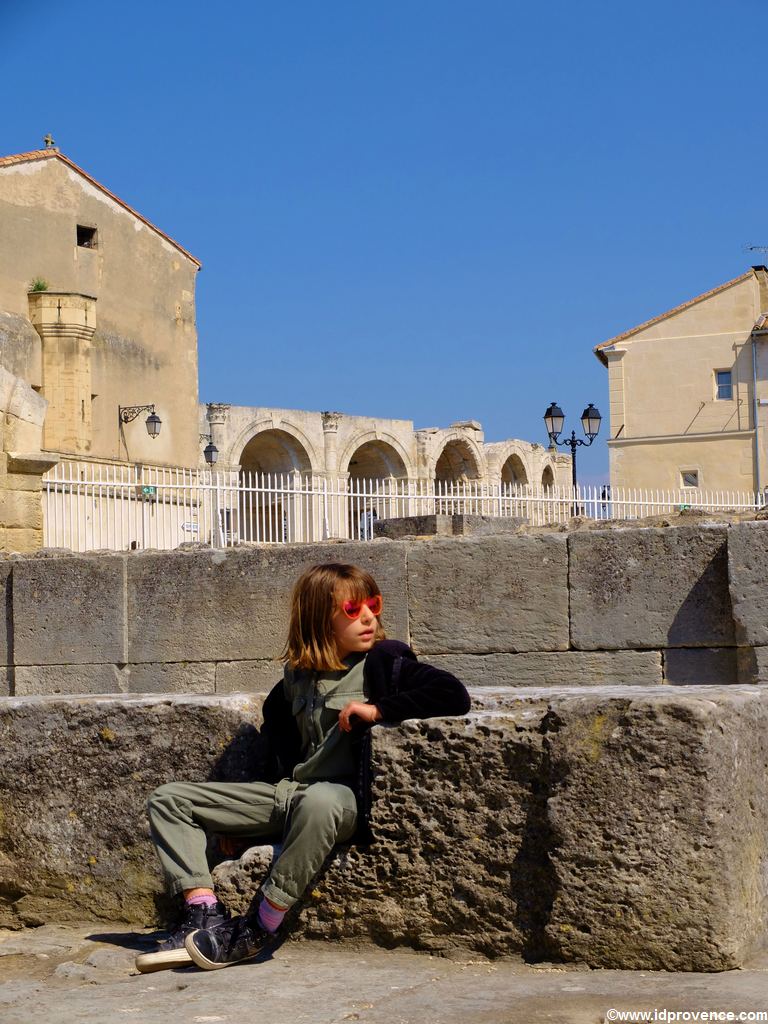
367	712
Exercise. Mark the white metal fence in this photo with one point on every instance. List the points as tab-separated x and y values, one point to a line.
89	507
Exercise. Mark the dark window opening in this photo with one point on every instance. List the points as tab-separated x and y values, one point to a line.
86	237
690	477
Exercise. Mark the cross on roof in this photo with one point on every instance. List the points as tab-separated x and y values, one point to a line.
48	140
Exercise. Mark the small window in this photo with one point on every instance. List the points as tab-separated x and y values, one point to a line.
86	237
690	477
724	384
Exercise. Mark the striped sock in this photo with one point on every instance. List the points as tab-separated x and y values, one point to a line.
207	900
270	917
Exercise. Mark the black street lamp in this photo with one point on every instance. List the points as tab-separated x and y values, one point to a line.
210	452
128	413
554	418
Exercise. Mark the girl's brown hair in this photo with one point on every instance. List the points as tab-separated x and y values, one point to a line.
310	642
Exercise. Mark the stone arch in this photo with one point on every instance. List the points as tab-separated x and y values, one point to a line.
376	460
374	466
513	471
272	513
286	446
274	451
382	453
548	477
458	460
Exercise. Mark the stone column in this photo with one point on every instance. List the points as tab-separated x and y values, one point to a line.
217	414
330	437
65	322
333	515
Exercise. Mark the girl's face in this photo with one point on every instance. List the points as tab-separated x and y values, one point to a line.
352	635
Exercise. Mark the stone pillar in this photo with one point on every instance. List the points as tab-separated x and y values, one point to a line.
217	414
330	437
65	322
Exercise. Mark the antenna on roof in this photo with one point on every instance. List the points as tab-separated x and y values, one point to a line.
762	249
50	144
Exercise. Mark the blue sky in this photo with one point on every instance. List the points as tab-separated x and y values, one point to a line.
425	210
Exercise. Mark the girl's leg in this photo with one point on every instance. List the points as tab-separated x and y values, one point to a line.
181	813
321	816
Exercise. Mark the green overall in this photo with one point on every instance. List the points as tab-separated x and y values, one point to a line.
309	813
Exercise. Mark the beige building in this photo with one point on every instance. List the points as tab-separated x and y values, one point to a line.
113	320
689	393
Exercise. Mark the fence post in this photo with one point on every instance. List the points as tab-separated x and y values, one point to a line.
219	512
326	531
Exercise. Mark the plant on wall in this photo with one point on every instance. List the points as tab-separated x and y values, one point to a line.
39	284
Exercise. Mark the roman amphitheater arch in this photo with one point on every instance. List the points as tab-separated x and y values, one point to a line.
274	459
459	460
548	476
515	468
374	466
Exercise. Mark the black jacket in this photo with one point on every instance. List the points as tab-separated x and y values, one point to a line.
398	684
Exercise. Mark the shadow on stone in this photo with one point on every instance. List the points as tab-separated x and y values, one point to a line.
705	618
533	878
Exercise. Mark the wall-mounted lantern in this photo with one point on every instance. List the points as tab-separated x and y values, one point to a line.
211	452
128	413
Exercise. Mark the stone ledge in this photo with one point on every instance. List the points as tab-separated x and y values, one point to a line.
621	827
554	668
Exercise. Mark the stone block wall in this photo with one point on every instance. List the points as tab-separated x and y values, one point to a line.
497	833
631	606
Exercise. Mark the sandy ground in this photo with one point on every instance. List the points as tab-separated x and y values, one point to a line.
84	973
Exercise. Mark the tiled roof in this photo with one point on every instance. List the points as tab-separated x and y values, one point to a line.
50	154
669	312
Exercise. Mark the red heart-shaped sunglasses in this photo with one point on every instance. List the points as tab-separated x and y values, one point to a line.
353	609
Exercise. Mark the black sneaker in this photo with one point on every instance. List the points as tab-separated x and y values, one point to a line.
240	938
171	952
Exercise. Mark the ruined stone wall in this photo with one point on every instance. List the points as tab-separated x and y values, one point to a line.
678	605
624	825
22	465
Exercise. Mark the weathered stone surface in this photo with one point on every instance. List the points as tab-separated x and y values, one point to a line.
414	526
493	594
498	833
558	668
221	605
747	574
69	609
75	774
660	828
6	612
650	588
752	665
170	677
6	676
19	346
23	508
445	526
701	666
525	847
248	676
63	679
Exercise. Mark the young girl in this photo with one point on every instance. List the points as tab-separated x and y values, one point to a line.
341	676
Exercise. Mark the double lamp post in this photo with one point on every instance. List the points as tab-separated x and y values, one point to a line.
554	418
